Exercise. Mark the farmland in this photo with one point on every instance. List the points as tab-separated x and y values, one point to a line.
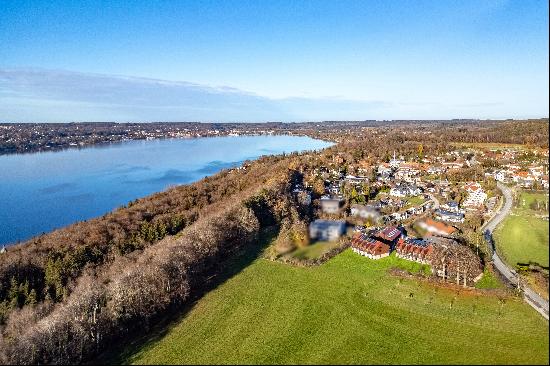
349	310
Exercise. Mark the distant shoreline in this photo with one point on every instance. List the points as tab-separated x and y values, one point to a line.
46	137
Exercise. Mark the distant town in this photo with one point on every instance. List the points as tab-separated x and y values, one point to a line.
407	207
33	137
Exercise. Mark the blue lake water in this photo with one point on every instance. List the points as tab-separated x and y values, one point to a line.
43	191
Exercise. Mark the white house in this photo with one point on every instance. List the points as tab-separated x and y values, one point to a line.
384	169
365	211
449	216
405	190
329	230
500	176
452	206
476	196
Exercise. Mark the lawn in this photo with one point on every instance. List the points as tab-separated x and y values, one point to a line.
488	281
415	201
348	310
314	250
526	198
523	237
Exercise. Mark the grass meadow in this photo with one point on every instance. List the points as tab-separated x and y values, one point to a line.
350	310
522	236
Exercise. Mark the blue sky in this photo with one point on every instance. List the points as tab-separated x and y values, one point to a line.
272	60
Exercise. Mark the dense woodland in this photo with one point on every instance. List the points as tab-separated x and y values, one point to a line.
66	295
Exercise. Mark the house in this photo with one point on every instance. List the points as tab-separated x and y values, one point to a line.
417	250
365	211
500	176
416	210
405	190
437	227
476	196
409	169
452	206
356	179
331	204
536	171
544	181
449	216
334	188
400	215
369	247
384	169
452	165
434	170
523	178
328	230
389	235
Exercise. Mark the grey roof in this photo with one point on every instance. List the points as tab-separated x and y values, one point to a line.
448	213
327	223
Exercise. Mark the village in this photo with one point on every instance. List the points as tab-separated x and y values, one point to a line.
424	210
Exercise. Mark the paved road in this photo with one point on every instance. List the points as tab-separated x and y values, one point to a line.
530	296
435	201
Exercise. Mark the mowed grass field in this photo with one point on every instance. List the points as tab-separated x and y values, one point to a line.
349	310
523	237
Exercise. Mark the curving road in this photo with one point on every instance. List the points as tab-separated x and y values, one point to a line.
530	296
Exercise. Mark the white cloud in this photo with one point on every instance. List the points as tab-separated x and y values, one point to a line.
46	95
37	95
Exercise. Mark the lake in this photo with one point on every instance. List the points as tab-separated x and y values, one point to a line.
40	192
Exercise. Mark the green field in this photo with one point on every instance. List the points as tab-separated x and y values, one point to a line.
349	310
314	250
522	237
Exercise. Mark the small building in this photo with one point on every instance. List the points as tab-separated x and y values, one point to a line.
331	205
369	247
328	230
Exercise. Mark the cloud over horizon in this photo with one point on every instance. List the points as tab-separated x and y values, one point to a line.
50	95
39	95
